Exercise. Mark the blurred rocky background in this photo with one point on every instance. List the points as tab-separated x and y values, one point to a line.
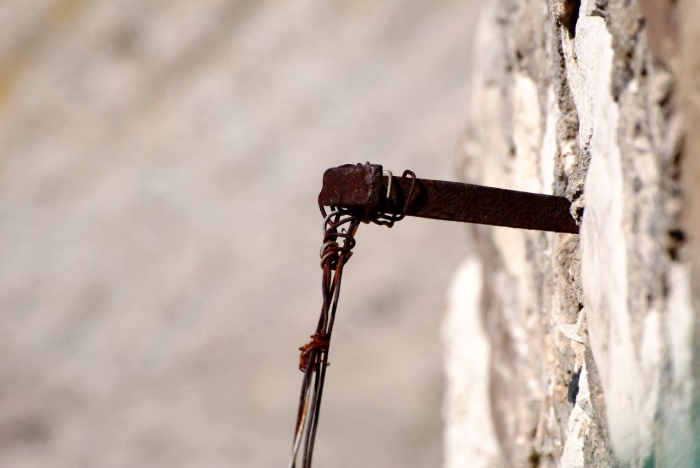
159	234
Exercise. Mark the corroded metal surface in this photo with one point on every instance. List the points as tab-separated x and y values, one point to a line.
352	186
347	186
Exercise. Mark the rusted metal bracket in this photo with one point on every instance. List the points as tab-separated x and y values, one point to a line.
364	188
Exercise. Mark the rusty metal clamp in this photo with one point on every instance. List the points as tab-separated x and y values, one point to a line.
364	187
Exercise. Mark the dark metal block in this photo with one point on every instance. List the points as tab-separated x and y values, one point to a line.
353	186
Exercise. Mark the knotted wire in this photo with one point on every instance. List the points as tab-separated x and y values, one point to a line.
339	227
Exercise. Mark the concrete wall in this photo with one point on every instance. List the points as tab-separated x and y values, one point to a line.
578	99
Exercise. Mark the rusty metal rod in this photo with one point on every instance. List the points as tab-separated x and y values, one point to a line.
364	188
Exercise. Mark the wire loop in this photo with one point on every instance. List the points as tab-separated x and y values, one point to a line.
339	228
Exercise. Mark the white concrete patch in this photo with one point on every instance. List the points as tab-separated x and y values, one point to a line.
679	323
579	425
527	135
679	328
470	438
571	332
549	144
583	59
629	398
511	246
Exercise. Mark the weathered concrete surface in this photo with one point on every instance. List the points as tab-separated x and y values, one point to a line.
569	99
689	84
159	234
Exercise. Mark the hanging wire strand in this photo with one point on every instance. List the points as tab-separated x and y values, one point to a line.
339	226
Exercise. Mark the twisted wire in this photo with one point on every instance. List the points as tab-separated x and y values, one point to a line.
339	227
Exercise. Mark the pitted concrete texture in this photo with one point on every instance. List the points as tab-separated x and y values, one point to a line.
159	236
591	338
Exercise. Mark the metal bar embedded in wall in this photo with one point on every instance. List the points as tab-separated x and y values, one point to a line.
365	188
